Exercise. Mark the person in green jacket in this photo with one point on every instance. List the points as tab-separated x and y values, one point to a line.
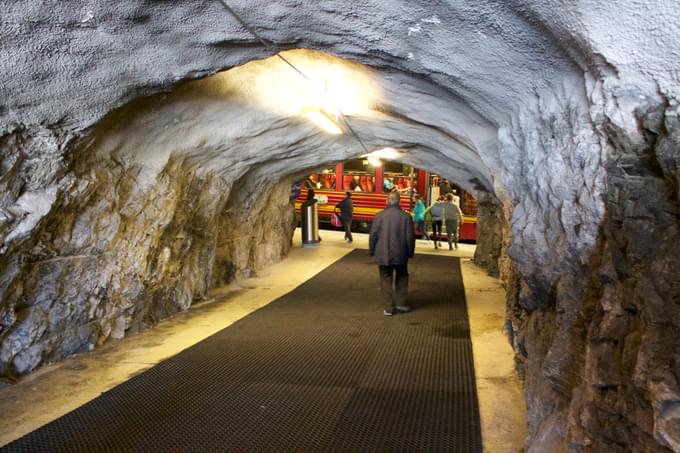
419	215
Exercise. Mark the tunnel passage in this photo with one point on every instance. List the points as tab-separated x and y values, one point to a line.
309	372
166	201
562	117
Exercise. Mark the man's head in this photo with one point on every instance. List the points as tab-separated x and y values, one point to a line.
349	194
449	197
393	199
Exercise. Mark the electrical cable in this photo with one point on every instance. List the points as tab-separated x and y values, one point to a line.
344	119
268	46
276	52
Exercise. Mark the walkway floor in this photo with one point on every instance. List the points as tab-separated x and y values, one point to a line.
55	390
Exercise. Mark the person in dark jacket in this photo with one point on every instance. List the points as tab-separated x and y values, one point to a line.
392	242
311	198
444	187
346	212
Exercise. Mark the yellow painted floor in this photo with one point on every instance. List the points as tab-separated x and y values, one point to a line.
54	390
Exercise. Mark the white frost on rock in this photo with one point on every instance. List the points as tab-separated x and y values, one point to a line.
33	206
87	16
414	30
432	20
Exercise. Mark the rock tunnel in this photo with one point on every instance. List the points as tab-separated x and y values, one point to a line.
147	151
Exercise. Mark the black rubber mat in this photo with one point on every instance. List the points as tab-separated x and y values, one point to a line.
320	369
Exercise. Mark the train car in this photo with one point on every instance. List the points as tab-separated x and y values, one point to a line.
370	185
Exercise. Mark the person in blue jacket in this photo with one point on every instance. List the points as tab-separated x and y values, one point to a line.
419	215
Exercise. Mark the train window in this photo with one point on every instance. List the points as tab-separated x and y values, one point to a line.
469	205
358	175
323	180
397	176
396	168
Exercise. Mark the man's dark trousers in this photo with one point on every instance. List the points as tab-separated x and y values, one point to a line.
397	273
347	225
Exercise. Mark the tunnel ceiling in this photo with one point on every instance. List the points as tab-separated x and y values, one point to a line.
98	56
442	68
255	112
147	150
434	84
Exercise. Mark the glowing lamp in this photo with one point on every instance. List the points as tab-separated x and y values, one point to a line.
386	153
374	161
323	119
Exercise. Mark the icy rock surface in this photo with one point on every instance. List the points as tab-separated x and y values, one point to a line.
126	193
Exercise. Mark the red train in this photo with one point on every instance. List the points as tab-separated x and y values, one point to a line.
369	197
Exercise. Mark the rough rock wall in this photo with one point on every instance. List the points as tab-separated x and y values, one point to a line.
255	229
595	326
630	394
492	229
97	254
111	256
555	169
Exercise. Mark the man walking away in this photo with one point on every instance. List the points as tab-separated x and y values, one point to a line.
392	242
452	217
346	213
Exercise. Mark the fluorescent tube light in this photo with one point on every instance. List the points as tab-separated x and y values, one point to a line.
323	119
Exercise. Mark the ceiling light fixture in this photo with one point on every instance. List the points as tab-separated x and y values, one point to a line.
323	119
333	129
386	153
374	161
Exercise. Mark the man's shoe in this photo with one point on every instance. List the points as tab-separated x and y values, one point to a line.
456	246
403	308
450	248
387	313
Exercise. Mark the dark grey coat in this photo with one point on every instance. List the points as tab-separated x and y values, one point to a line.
392	240
346	209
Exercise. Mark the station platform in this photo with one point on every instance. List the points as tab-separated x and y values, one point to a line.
299	358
